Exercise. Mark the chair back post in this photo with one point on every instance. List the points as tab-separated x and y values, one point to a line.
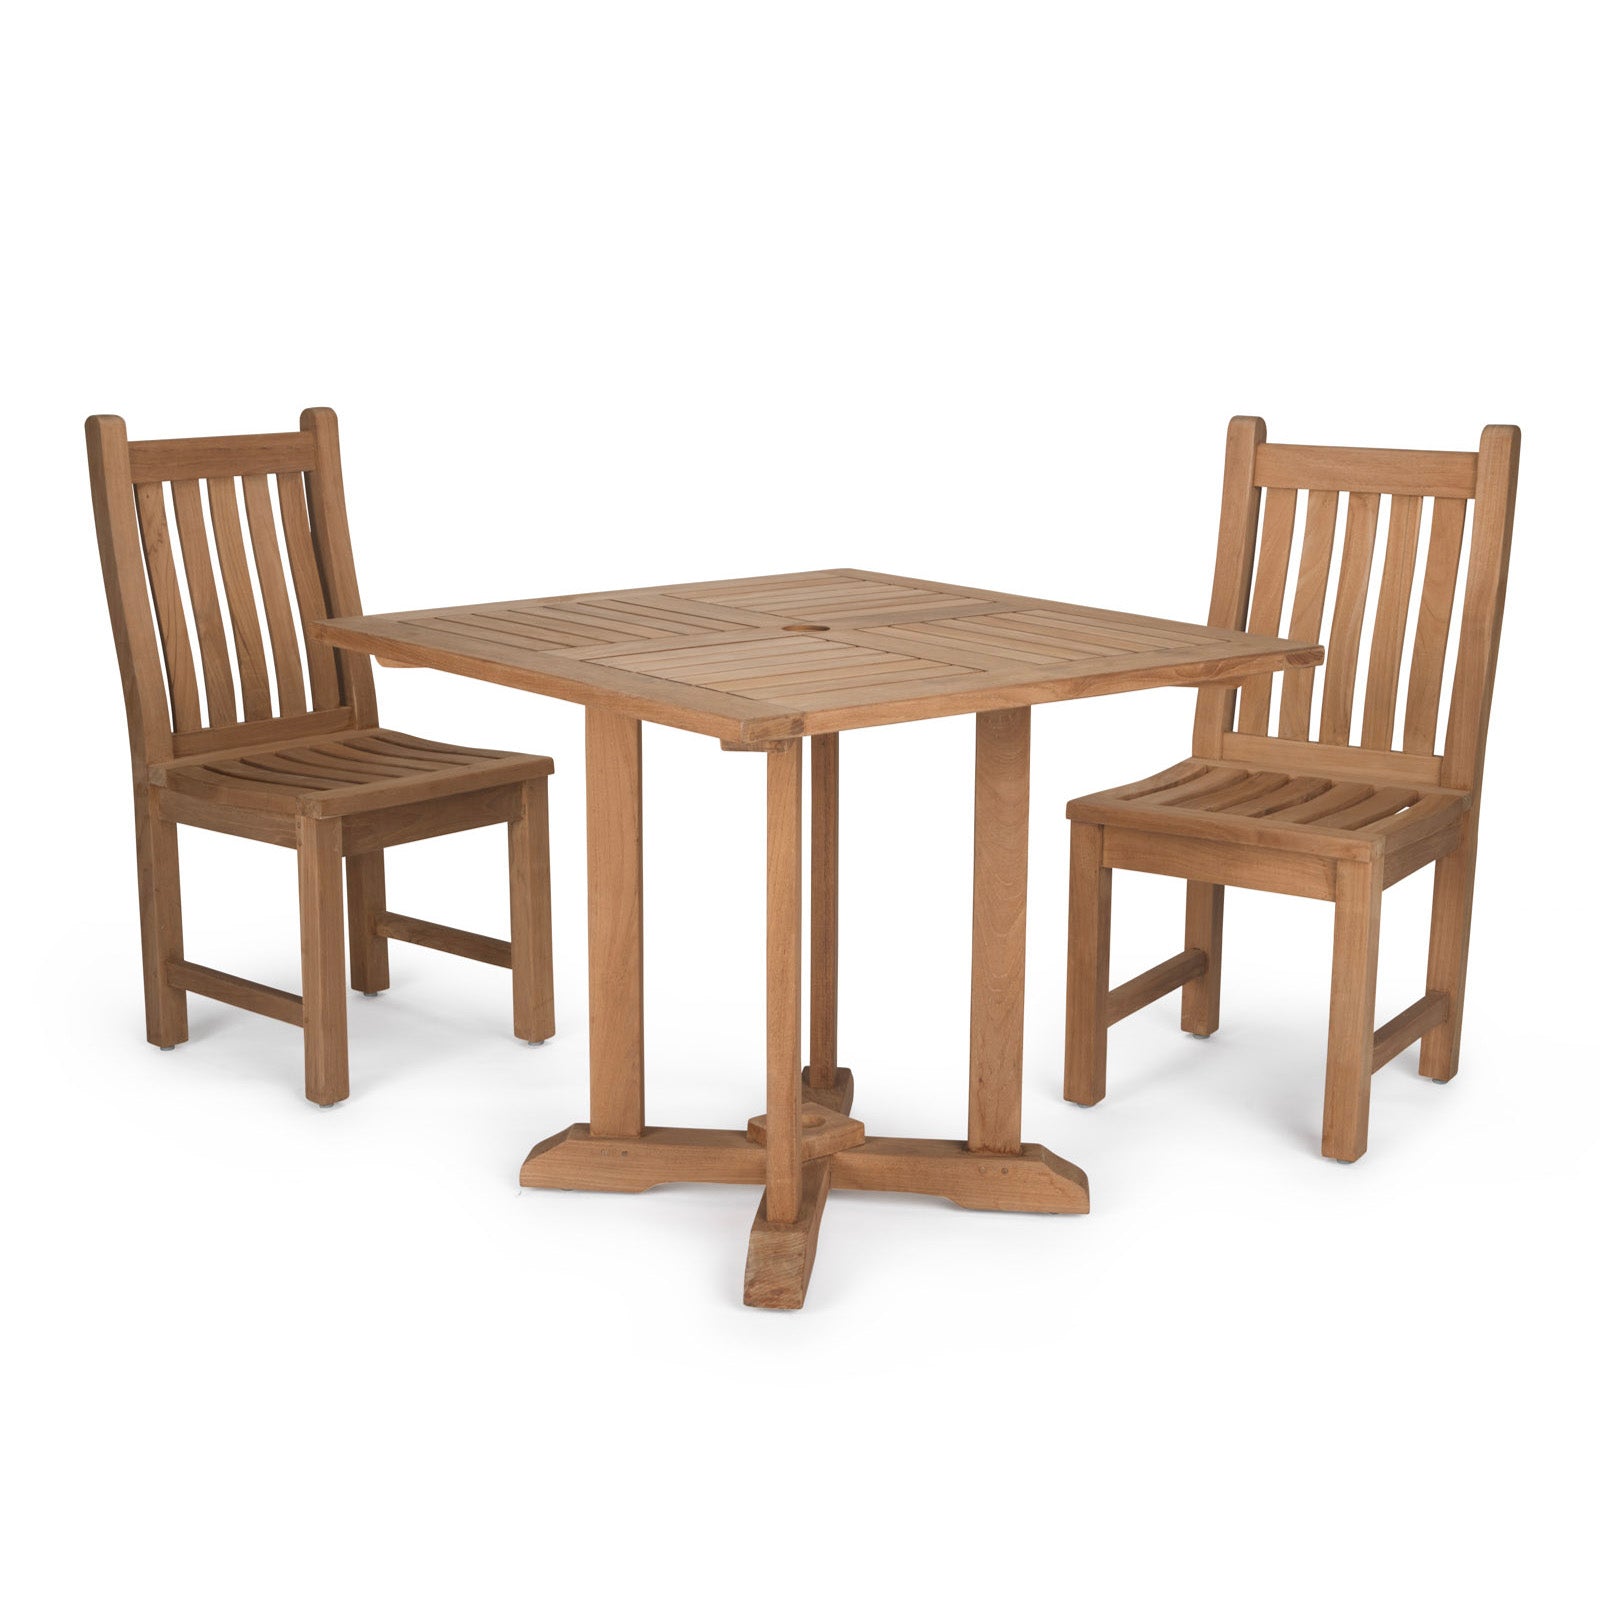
330	529
127	597
1230	588
1478	652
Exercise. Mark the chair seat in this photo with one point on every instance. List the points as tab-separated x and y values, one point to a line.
1283	810
352	772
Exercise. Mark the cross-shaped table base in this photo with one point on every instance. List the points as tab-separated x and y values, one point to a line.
836	1153
806	1142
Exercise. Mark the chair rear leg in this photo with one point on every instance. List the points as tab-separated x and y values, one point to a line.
1447	956
166	1009
369	951
1202	930
319	844
1358	901
533	1005
1088	965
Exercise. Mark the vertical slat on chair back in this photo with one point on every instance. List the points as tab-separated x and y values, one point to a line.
1381	532
210	607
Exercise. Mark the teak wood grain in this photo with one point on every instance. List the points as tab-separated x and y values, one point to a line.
757	661
243	721
768	664
1323	805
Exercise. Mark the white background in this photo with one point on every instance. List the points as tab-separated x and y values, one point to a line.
611	294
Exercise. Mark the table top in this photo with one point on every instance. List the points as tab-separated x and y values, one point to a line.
754	660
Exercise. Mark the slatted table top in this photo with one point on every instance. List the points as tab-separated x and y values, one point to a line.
753	660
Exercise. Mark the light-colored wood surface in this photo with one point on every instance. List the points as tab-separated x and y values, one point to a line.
366	898
999	930
1230	584
366	771
782	1141
533	1001
1202	934
1033	1180
822	1070
1449	474
1434	607
839	1095
1357	905
318	850
1341	814
1088	965
243	721
754	661
261	998
615	800
1407	1027
777	1268
1284	809
802	1144
824	1080
761	663
160	921
823	1132
1239	866
1448	937
1149	986
439	936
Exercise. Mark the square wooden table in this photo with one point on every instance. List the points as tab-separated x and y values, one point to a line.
764	664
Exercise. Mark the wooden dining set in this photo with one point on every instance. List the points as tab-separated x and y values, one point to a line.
1344	676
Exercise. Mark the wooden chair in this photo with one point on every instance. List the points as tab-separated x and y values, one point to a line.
1327	817
286	747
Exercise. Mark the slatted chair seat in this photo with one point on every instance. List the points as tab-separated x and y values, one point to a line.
1277	810
1328	782
337	777
219	557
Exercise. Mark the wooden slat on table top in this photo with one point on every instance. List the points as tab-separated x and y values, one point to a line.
751	660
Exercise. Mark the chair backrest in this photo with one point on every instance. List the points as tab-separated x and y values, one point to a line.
1349	524
240	604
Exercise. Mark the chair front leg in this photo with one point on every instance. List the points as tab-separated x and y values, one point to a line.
1447	955
369	951
1358	901
319	843
166	1009
1202	930
533	1004
1088	965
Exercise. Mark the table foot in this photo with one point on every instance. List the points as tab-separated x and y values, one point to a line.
1034	1179
580	1159
778	1266
837	1096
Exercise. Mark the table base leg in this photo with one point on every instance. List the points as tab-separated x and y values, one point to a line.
778	1266
1031	1179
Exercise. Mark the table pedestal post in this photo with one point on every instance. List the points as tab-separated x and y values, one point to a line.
614	798
824	1080
783	1241
999	930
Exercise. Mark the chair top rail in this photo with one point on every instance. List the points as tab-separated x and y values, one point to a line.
245	454
1448	474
